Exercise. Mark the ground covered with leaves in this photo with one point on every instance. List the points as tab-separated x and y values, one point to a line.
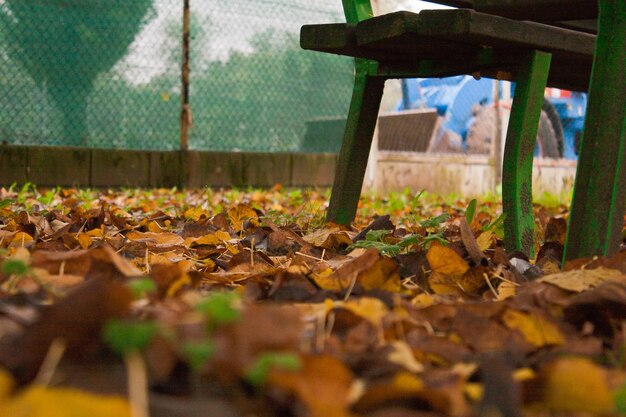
232	303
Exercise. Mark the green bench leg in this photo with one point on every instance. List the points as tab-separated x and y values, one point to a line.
599	201
357	140
517	164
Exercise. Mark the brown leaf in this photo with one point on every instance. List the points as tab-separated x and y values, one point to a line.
77	319
469	241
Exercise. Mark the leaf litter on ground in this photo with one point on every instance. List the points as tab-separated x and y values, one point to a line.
234	303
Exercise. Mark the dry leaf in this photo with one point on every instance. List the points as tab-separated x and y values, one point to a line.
239	214
484	240
580	280
37	401
371	309
323	385
534	326
575	384
448	268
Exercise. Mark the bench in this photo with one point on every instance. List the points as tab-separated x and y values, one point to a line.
441	43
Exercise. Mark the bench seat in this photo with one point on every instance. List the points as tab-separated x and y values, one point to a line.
405	38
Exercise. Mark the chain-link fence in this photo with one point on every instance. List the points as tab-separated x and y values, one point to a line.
106	73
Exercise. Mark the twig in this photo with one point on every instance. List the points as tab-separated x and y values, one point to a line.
137	384
51	361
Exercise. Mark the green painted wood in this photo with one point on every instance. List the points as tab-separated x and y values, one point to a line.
357	10
599	199
357	141
518	152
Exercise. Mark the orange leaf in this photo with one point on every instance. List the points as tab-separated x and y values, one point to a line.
239	214
322	384
448	268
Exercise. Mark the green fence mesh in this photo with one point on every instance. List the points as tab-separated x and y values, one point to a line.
106	73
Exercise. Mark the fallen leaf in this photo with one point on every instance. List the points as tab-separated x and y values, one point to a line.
448	268
323	385
239	214
575	384
38	401
580	280
484	240
536	328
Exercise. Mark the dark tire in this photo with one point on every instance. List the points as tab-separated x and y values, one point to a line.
546	138
557	126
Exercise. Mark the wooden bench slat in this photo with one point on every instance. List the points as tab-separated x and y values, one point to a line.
474	28
540	10
405	38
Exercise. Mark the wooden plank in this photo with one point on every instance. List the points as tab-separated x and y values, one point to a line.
13	163
313	169
51	166
540	10
266	169
467	27
517	167
212	169
599	201
120	168
452	42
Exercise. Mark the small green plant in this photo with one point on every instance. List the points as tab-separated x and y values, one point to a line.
257	375
5	203
198	353
470	211
13	266
620	400
435	222
124	337
376	239
496	226
220	308
141	287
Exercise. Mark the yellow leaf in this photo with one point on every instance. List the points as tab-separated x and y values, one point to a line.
423	300
326	281
196	213
580	280
506	290
164	238
213	239
474	391
6	384
154	227
448	269
535	328
382	275
371	309
239	214
38	401
20	240
97	233
577	385
484	240
84	240
407	382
